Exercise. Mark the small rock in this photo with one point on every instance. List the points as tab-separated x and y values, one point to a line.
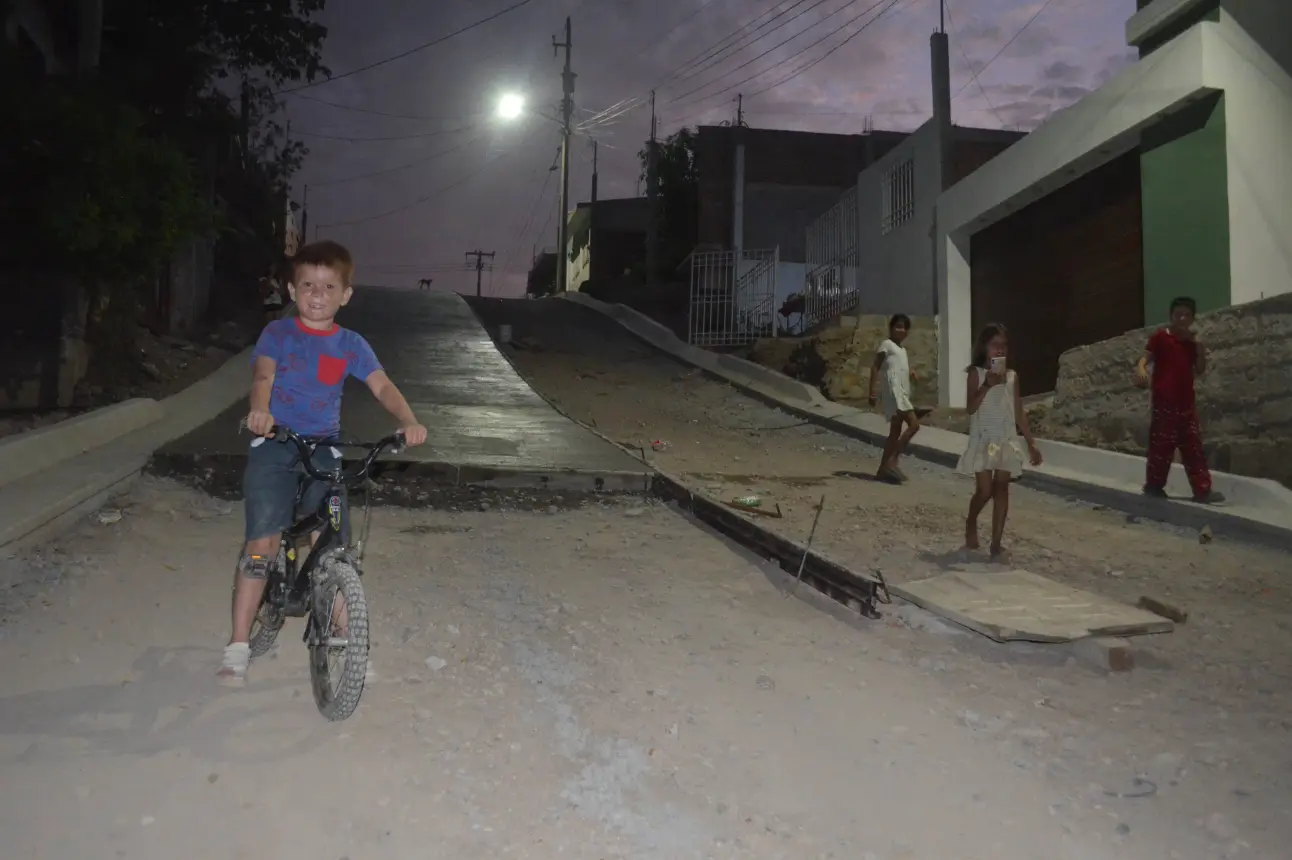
484	506
765	682
435	664
109	516
553	509
453	630
1205	536
672	730
635	512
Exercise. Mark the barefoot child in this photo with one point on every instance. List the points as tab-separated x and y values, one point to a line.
995	451
891	358
300	365
1176	357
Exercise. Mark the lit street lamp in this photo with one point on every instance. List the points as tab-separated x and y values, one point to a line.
510	106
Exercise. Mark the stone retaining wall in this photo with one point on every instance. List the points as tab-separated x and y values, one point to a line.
839	358
1244	401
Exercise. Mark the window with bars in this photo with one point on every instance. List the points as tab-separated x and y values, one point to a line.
897	195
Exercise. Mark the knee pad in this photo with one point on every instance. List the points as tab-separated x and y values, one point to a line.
254	566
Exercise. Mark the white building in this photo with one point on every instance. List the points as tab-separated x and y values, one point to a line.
873	251
1173	178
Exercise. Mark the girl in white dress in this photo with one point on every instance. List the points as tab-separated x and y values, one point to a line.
995	452
890	358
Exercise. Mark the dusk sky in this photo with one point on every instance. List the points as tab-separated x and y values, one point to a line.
444	176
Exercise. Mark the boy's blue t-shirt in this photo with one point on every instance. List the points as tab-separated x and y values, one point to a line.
312	367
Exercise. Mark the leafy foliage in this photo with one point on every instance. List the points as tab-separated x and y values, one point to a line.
113	171
679	195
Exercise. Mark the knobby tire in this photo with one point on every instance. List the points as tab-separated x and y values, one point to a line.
339	575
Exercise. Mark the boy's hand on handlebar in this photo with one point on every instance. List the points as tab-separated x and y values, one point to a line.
260	423
414	434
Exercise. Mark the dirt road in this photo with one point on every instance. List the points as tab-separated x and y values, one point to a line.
1212	697
603	682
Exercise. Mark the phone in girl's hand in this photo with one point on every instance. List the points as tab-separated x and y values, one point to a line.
998	365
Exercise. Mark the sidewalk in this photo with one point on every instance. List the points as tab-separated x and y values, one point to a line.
1258	510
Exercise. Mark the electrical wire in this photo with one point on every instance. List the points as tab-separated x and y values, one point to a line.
420	200
722	44
969	63
996	56
529	218
803	68
421	136
442	39
781	44
388	170
853	20
339	106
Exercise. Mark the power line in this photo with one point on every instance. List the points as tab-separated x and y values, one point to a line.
735	47
821	58
388	170
969	62
411	51
780	44
722	44
419	201
533	210
339	106
421	136
974	74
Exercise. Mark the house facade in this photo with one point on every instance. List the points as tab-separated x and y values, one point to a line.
761	188
607	238
1173	178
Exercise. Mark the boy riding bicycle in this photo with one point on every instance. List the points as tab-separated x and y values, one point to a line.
300	365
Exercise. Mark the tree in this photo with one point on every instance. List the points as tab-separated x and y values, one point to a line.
679	196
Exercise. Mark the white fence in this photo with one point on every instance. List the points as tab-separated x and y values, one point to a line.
833	284
733	297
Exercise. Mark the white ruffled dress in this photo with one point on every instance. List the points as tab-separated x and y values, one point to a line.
994	442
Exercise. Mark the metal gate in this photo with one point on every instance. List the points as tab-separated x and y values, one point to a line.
833	283
733	297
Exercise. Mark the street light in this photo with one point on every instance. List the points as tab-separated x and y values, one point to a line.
510	106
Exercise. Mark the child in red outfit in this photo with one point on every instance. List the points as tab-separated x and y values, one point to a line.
1176	357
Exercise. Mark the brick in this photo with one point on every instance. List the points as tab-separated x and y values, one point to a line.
1106	654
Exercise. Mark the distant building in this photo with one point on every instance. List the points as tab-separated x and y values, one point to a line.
607	238
542	275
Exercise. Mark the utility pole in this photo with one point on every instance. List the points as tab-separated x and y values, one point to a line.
305	213
740	110
479	267
594	171
652	199
567	111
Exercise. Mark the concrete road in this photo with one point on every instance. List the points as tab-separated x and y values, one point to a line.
479	413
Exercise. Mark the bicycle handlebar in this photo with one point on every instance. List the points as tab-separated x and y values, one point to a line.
395	441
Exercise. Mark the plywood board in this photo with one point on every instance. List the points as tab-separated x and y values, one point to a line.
1018	606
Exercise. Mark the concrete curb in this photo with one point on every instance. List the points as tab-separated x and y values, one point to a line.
76	476
1259	511
26	453
832	578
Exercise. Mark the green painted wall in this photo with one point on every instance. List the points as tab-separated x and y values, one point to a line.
1185	185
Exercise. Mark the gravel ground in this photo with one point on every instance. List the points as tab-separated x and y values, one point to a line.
1209	703
611	681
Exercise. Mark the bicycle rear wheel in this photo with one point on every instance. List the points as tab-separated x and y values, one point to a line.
338	651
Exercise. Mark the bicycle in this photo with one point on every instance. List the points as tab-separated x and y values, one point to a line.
309	591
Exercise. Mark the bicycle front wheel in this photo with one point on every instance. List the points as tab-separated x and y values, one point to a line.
339	643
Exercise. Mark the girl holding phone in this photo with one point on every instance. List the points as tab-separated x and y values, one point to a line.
996	451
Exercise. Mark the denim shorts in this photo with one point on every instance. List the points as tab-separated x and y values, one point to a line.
272	486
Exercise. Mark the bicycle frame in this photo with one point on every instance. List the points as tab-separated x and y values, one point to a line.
293	584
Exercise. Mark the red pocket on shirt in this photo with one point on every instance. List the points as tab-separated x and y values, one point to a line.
331	369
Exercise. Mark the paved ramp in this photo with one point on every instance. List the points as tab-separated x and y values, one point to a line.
479	412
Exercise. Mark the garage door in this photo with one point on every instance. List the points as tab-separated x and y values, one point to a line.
1065	271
